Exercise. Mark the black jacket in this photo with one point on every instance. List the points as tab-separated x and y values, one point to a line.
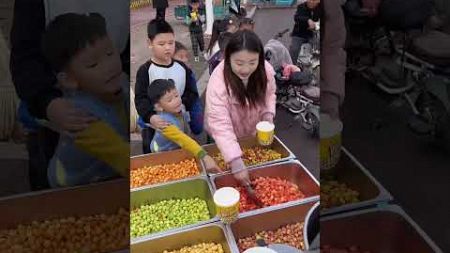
301	17
160	4
31	73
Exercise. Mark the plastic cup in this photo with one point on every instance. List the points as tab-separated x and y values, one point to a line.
330	142
265	132
226	200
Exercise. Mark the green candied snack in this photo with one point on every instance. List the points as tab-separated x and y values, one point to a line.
167	214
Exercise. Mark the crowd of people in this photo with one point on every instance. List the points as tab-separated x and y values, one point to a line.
72	75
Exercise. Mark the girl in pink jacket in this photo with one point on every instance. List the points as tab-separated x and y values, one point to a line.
240	93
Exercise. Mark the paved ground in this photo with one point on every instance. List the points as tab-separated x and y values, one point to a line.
416	174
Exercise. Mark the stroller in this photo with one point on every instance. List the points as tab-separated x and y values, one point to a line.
298	92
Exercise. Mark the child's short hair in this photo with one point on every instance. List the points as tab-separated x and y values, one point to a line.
158	88
157	26
69	33
179	46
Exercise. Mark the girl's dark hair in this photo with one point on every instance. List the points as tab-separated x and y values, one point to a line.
179	46
218	28
255	91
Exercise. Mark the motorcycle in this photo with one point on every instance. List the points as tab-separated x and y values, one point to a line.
298	92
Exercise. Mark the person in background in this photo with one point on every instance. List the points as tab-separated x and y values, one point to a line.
166	102
161	41
218	56
34	79
231	24
247	24
88	70
195	20
332	59
305	17
181	53
240	93
217	30
160	6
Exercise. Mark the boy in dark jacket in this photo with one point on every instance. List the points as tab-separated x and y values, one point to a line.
307	14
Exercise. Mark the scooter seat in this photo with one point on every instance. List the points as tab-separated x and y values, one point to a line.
434	47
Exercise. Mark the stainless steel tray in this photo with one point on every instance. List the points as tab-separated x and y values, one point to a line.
214	232
269	219
351	172
249	142
292	171
99	198
152	159
187	188
385	229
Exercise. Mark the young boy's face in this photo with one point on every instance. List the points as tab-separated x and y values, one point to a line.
170	102
97	70
182	55
312	3
163	47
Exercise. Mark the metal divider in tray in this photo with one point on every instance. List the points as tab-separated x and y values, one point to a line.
250	142
358	178
187	188
209	233
167	157
292	171
380	229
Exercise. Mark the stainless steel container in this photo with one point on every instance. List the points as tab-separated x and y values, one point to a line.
269	219
187	188
99	198
351	172
382	229
292	171
152	159
249	142
214	232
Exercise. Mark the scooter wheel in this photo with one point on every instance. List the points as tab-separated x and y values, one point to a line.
311	124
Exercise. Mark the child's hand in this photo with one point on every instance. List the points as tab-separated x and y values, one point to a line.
66	118
158	123
211	165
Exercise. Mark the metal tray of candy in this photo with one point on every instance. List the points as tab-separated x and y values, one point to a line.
351	172
250	142
63	203
167	157
385	229
272	219
292	171
183	189
209	233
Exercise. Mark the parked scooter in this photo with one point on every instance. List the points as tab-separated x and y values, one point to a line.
298	92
